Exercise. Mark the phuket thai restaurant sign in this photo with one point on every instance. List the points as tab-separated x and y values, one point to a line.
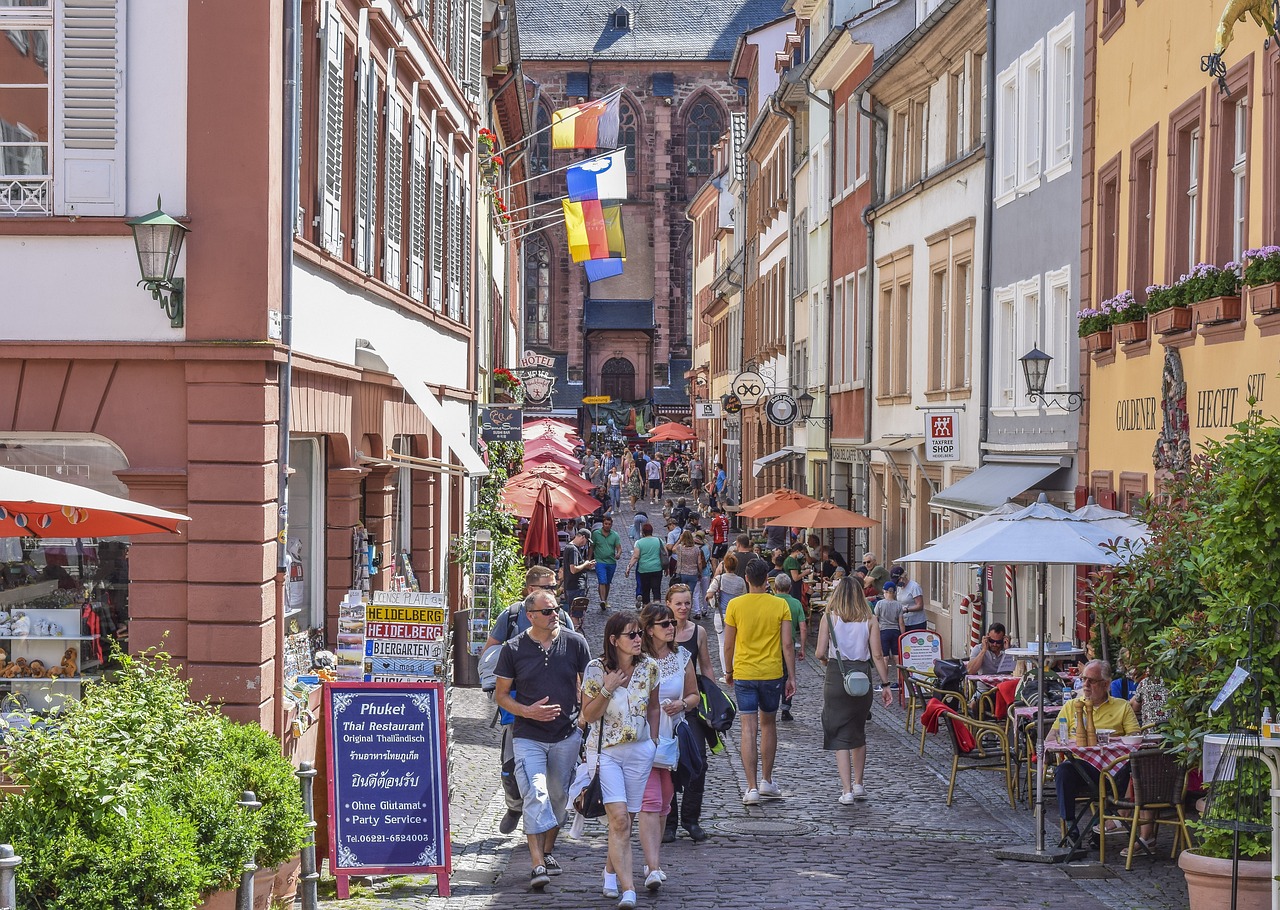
388	790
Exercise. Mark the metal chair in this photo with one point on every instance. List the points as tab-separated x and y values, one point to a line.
990	752
919	693
1158	783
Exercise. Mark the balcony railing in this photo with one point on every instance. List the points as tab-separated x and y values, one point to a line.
25	196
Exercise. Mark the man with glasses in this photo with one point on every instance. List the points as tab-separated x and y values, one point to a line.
877	573
1076	778
987	656
539	677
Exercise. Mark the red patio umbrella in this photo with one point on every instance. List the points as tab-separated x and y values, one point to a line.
544	443
551	455
672	432
565	502
550	428
540	538
771	505
553	473
823	515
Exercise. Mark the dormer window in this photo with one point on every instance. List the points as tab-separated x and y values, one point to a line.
622	19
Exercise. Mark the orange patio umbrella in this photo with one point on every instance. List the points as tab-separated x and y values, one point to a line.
823	515
771	505
565	502
672	432
554	474
540	537
32	505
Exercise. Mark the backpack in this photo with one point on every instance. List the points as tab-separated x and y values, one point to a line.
1028	690
715	708
488	665
950	675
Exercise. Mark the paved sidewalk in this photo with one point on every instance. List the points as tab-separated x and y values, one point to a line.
901	848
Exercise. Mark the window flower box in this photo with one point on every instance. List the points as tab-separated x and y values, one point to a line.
1264	299
1261	279
1170	321
1131	332
1216	310
1097	342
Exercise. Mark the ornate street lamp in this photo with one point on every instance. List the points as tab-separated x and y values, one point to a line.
805	402
158	239
1035	369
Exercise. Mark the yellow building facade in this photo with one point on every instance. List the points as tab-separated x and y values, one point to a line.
1181	168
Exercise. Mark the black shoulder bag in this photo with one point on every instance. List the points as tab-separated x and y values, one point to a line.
590	802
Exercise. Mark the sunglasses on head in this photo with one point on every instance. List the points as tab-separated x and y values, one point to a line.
551	612
637	634
665	623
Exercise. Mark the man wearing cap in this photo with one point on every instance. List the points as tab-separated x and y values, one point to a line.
877	573
911	596
574	566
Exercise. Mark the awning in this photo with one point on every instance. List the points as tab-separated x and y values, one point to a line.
993	484
453	428
761	463
891	444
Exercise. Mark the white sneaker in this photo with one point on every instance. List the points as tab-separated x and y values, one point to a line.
858	792
846	799
653	881
610	892
751	797
770	790
628	901
662	876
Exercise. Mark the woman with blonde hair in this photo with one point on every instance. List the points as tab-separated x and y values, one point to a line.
688	561
847	632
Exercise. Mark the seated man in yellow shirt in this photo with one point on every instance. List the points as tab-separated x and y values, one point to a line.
1076	776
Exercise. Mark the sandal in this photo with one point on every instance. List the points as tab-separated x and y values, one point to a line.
1141	847
1113	827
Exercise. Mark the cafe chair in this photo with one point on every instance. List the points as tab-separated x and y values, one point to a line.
1157	786
919	692
989	751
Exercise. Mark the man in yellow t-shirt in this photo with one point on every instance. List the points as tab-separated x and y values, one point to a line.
1076	777
757	647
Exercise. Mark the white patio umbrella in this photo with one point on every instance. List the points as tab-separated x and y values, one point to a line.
1041	535
1132	533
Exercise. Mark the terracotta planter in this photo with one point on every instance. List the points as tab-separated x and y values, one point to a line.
1264	299
1131	332
1209	882
222	900
1171	321
1098	341
1216	310
287	876
264	891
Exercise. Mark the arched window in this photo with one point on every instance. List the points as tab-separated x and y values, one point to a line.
540	159
703	126
628	133
618	379
537	292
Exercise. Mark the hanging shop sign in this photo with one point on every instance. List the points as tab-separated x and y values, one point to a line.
531	359
781	410
941	443
501	424
732	404
706	409
748	385
539	382
388	781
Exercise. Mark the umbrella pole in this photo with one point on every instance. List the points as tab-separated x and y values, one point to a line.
1038	853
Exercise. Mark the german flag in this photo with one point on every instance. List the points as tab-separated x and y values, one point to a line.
594	230
590	125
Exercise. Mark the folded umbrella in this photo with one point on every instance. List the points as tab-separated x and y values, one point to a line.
540	537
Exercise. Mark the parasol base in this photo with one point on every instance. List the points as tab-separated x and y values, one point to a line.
1032	855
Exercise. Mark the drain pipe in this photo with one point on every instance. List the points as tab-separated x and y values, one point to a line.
288	227
829	493
988	172
867	106
781	111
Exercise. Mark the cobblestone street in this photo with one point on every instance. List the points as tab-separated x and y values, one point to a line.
901	848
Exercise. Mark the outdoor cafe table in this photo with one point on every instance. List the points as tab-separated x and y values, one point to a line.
1097	756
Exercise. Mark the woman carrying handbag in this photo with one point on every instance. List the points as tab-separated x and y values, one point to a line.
847	632
686	808
677	693
620	691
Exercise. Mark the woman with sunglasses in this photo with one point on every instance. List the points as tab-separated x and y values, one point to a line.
677	693
691	638
620	691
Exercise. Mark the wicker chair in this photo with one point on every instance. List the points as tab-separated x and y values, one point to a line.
1158	781
990	752
919	692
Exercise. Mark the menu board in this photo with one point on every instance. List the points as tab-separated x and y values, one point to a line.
405	637
918	649
388	786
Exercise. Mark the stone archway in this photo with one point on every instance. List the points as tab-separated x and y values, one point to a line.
618	379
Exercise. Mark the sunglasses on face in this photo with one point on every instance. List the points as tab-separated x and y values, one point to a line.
634	636
664	623
997	642
552	612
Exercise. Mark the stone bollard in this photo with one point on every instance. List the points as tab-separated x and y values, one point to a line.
244	894
8	888
310	879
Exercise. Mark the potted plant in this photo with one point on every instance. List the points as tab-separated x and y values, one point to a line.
1213	293
1094	327
1128	317
1262	279
506	385
129	797
1179	606
1167	311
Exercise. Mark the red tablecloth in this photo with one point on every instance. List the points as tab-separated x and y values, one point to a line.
1028	712
1098	756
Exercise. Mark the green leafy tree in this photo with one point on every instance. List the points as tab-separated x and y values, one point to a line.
489	514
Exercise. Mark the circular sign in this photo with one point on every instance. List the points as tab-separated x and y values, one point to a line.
781	410
732	404
748	385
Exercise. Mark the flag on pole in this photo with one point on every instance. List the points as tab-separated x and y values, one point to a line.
590	125
595	230
599	269
604	177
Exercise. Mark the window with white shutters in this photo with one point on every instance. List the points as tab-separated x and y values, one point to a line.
437	229
331	121
468	255
392	208
474	78
455	244
417	210
364	150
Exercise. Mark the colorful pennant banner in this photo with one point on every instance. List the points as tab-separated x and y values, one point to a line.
590	125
